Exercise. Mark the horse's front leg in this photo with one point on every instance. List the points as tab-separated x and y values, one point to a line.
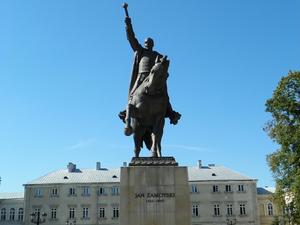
128	129
158	133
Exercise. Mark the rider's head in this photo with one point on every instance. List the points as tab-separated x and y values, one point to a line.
149	43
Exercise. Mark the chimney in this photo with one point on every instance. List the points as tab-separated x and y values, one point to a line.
98	166
124	164
199	164
71	167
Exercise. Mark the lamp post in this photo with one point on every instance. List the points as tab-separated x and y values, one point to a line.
71	222
230	221
37	218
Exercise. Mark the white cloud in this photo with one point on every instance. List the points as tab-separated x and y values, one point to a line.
120	146
82	144
187	147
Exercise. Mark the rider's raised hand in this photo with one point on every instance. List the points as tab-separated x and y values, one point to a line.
127	20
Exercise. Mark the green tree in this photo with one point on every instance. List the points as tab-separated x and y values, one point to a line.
276	221
284	129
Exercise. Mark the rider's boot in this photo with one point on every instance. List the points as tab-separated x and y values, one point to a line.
128	130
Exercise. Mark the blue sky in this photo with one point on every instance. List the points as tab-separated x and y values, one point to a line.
64	75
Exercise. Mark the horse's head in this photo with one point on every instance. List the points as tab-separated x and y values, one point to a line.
158	76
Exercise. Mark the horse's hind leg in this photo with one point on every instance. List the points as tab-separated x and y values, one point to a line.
137	144
137	151
157	136
155	149
154	145
158	149
158	143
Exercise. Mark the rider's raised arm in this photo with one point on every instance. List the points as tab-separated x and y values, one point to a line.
135	45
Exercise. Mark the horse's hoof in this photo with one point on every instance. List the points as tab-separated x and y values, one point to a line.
175	116
154	155
128	131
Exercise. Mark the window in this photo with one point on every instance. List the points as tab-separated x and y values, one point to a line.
101	191
85	213
229	209
195	210
53	213
102	212
242	209
72	213
54	192
241	188
115	212
215	188
270	209
3	214
217	210
21	214
115	191
37	211
85	191
194	189
228	188
37	192
72	192
12	214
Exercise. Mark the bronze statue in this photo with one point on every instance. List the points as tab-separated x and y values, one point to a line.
148	100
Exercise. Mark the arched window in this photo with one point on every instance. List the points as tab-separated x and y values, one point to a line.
21	214
3	214
12	214
270	209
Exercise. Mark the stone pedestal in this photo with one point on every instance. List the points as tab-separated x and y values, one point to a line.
154	191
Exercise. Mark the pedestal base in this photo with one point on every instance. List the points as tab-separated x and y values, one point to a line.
155	193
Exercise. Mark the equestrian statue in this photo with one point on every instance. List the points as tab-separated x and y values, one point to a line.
148	100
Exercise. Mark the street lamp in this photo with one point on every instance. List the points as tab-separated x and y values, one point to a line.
37	219
230	221
71	222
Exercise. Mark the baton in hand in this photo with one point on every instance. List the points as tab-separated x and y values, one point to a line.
125	5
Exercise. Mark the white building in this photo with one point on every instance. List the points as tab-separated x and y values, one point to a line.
91	196
11	208
268	211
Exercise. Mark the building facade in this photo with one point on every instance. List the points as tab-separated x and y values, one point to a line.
12	208
92	196
268	211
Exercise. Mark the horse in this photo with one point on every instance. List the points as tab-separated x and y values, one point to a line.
146	110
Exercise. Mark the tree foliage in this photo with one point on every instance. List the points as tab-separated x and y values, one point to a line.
276	221
284	129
